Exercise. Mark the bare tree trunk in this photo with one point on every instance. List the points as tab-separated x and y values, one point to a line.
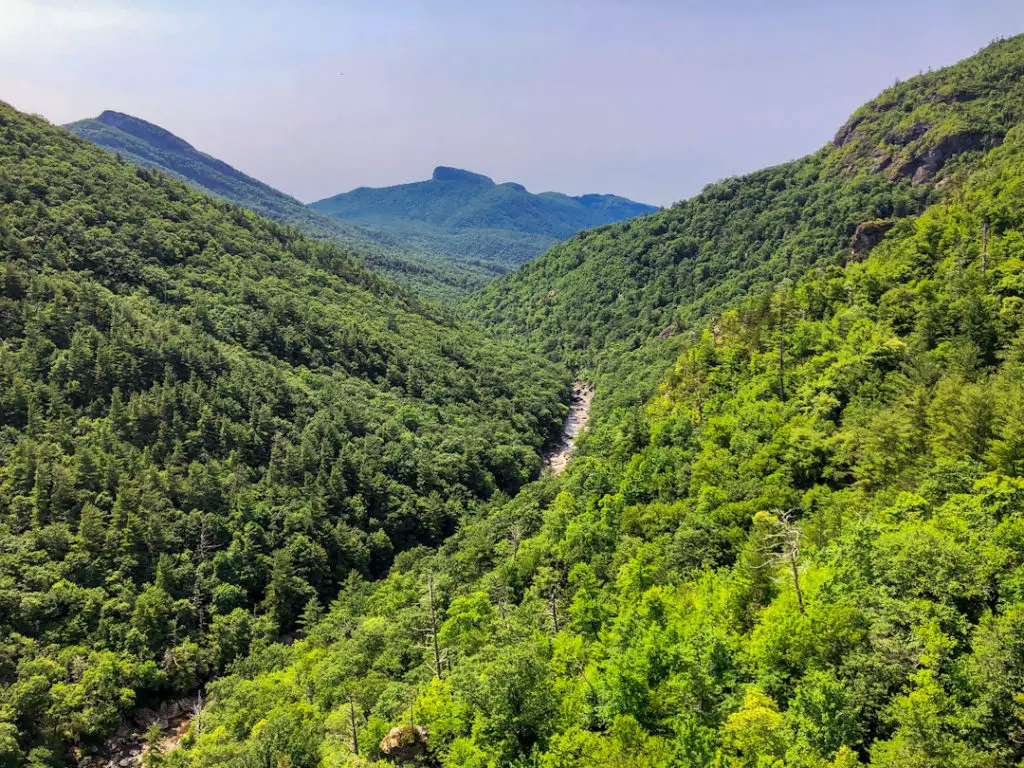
199	603
355	726
553	604
515	536
785	548
433	627
796	581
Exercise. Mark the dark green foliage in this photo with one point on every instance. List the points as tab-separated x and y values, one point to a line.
151	146
617	289
208	422
804	550
468	216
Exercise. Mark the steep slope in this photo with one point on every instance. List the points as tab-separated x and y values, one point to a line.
151	146
207	422
627	289
805	551
467	215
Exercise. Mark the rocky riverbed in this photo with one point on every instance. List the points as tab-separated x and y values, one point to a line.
575	423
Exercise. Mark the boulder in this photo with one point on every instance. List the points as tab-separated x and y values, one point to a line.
404	743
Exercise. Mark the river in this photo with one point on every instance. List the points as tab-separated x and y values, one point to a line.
579	411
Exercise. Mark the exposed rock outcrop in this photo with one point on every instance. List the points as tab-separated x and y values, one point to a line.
126	747
404	743
447	173
847	132
913	133
924	166
850	132
917	151
867	235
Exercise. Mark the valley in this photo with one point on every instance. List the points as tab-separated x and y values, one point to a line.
456	475
150	146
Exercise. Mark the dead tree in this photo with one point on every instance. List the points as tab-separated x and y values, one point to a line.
355	724
783	548
515	538
431	630
205	550
553	606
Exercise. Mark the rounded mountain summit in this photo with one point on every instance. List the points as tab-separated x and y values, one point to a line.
467	215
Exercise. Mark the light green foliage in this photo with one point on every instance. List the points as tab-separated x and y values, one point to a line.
956	113
755	735
620	300
877	481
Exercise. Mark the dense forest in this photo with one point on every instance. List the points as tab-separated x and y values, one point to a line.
804	550
207	423
427	272
235	462
467	216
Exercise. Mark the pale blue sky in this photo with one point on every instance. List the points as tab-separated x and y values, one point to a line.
651	99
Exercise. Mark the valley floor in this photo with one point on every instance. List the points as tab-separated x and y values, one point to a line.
575	423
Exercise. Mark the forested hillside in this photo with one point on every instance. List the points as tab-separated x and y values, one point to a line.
806	550
151	146
467	216
627	289
207	423
232	460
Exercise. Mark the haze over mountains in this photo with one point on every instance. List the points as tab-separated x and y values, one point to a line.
442	236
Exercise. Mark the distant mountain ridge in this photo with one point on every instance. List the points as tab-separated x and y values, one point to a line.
468	215
150	146
443	237
146	144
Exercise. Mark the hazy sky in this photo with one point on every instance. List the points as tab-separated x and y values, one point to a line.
650	98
